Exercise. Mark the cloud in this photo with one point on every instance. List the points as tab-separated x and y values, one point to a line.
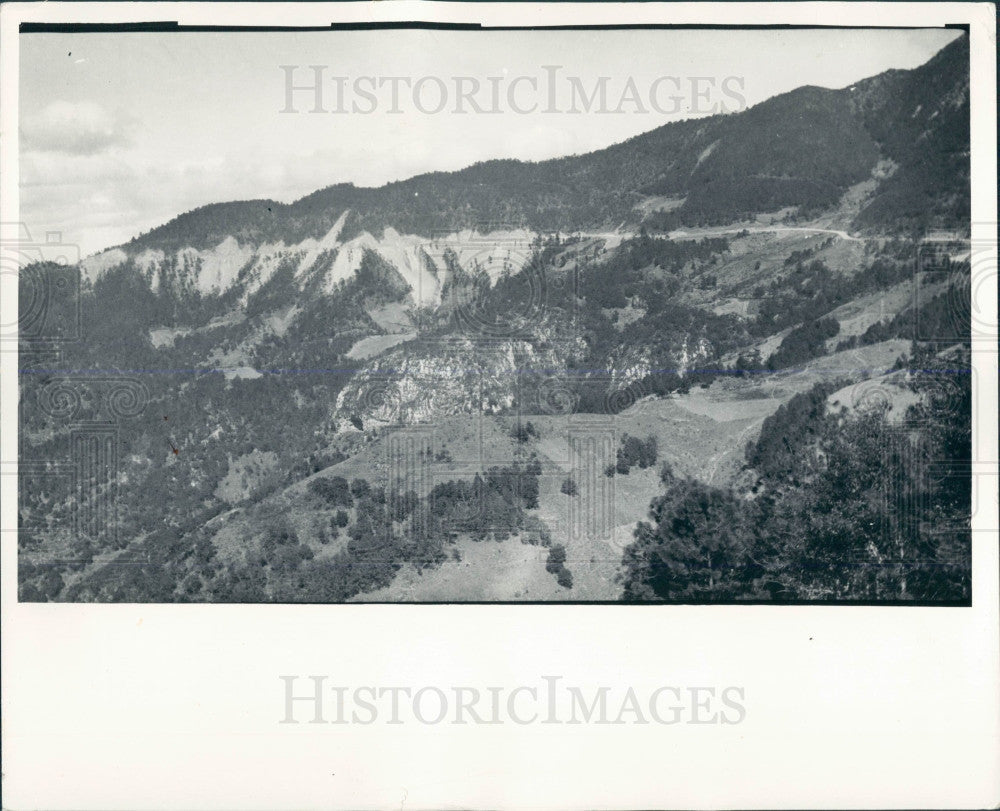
106	199
73	128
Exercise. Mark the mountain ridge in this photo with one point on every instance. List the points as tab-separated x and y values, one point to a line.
342	397
821	156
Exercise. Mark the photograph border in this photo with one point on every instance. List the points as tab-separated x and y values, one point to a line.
75	675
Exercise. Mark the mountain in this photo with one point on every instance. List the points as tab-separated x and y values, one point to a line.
802	148
890	153
920	119
668	295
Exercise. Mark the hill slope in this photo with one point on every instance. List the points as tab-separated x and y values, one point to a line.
349	396
802	148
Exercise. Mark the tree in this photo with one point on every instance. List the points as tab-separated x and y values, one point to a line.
845	506
789	433
360	488
747	364
192	585
634	451
556	558
694	549
522	432
803	343
403	504
334	490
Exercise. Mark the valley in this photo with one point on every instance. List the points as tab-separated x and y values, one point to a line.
516	383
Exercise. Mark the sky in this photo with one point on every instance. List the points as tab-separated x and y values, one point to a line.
119	133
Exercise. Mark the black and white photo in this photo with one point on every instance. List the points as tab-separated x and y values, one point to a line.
536	333
556	405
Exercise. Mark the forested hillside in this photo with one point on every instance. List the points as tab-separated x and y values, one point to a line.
803	148
726	360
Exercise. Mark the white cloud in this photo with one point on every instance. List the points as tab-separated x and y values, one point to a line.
72	127
106	199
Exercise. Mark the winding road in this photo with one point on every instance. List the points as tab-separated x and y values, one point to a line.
699	233
765	230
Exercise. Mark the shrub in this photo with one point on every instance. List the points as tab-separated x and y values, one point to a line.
556	558
522	432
